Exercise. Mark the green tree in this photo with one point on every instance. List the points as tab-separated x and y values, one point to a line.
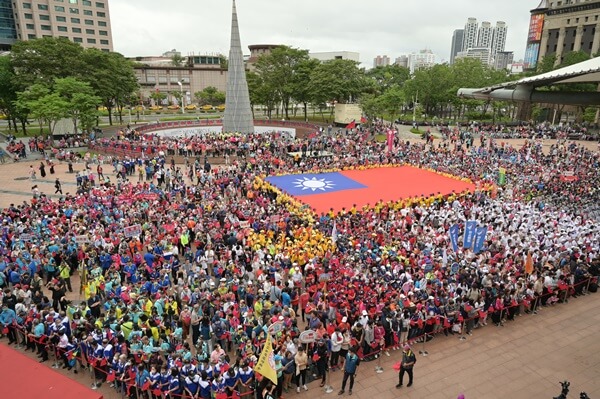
546	64
158	97
177	95
371	105
46	107
385	77
261	93
29	99
574	57
210	96
177	60
8	96
81	101
224	61
279	69
43	60
112	77
337	81
51	108
427	87
300	88
391	101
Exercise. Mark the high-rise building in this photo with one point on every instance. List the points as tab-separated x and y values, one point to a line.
484	35
457	43
482	54
470	34
82	21
480	42
422	59
381	60
499	38
562	27
8	32
402	61
502	59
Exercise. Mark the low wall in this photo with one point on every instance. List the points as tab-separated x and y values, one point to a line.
301	128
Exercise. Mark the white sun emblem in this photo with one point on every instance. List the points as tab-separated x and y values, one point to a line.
313	184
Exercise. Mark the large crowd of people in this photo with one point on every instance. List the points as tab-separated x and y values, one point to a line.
186	267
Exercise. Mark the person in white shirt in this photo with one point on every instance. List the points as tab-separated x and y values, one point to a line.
336	345
364	318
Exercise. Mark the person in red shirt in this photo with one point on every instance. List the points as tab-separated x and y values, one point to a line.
304	298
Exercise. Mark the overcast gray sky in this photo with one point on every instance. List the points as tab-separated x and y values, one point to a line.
371	28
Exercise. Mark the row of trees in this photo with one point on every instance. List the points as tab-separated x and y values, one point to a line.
288	76
48	79
52	78
208	96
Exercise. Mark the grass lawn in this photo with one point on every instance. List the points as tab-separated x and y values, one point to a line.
33	131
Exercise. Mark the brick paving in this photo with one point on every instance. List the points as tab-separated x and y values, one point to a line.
525	359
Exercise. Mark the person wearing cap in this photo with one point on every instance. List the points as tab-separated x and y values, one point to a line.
408	361
350	366
279	370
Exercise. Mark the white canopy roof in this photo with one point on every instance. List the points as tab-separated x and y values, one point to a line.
583	72
586	71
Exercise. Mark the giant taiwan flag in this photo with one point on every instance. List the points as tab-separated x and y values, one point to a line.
338	190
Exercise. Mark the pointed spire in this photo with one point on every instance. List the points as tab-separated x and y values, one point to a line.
238	114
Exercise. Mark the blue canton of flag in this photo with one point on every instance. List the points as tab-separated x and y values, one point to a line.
309	184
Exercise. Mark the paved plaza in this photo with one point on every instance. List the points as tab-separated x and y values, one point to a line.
527	358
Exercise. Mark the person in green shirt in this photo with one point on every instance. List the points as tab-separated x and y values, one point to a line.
126	326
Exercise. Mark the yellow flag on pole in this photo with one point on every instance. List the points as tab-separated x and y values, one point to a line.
83	278
266	363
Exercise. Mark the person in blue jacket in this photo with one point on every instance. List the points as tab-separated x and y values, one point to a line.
205	387
192	384
350	366
7	319
175	388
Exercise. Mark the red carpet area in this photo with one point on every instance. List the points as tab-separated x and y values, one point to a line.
25	378
387	184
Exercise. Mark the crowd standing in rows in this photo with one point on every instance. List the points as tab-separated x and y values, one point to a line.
186	268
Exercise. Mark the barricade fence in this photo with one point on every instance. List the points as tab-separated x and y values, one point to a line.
101	370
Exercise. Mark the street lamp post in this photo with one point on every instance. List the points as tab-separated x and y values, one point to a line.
415	104
181	92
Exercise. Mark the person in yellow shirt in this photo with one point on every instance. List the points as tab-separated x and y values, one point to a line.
148	307
64	271
258	307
